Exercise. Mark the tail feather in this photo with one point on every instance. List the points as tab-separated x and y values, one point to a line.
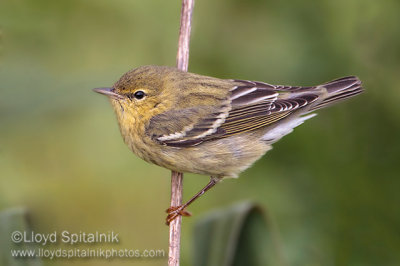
338	90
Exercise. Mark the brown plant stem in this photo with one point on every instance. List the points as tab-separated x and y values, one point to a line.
182	62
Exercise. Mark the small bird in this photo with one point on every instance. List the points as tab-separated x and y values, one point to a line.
187	122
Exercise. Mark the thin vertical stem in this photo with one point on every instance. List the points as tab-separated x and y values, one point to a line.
175	225
182	57
182	62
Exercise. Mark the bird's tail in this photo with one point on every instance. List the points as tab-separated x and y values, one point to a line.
338	90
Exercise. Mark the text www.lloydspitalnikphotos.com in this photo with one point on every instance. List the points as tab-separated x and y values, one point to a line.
86	253
36	241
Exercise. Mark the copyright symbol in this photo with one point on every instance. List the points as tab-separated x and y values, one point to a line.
16	237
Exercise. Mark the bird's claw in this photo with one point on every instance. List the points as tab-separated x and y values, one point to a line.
174	212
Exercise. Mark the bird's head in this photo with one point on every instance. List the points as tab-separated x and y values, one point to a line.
142	92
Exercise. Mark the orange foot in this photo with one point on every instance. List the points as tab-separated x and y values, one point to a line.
174	212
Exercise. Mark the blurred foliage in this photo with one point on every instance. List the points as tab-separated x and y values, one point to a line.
331	186
238	235
15	220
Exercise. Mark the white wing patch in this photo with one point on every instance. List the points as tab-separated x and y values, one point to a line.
251	94
176	135
188	132
221	119
243	92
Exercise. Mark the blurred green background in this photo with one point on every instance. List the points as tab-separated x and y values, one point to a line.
331	187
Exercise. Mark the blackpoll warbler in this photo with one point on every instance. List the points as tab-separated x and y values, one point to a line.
218	127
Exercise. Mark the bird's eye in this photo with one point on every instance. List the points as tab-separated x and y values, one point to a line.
139	95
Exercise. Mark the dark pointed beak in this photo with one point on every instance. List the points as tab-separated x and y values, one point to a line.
108	92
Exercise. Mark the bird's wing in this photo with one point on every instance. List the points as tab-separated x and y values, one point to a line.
258	104
249	106
187	126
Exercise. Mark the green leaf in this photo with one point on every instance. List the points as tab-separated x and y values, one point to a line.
238	235
14	220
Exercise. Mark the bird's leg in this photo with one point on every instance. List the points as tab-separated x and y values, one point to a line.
175	211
